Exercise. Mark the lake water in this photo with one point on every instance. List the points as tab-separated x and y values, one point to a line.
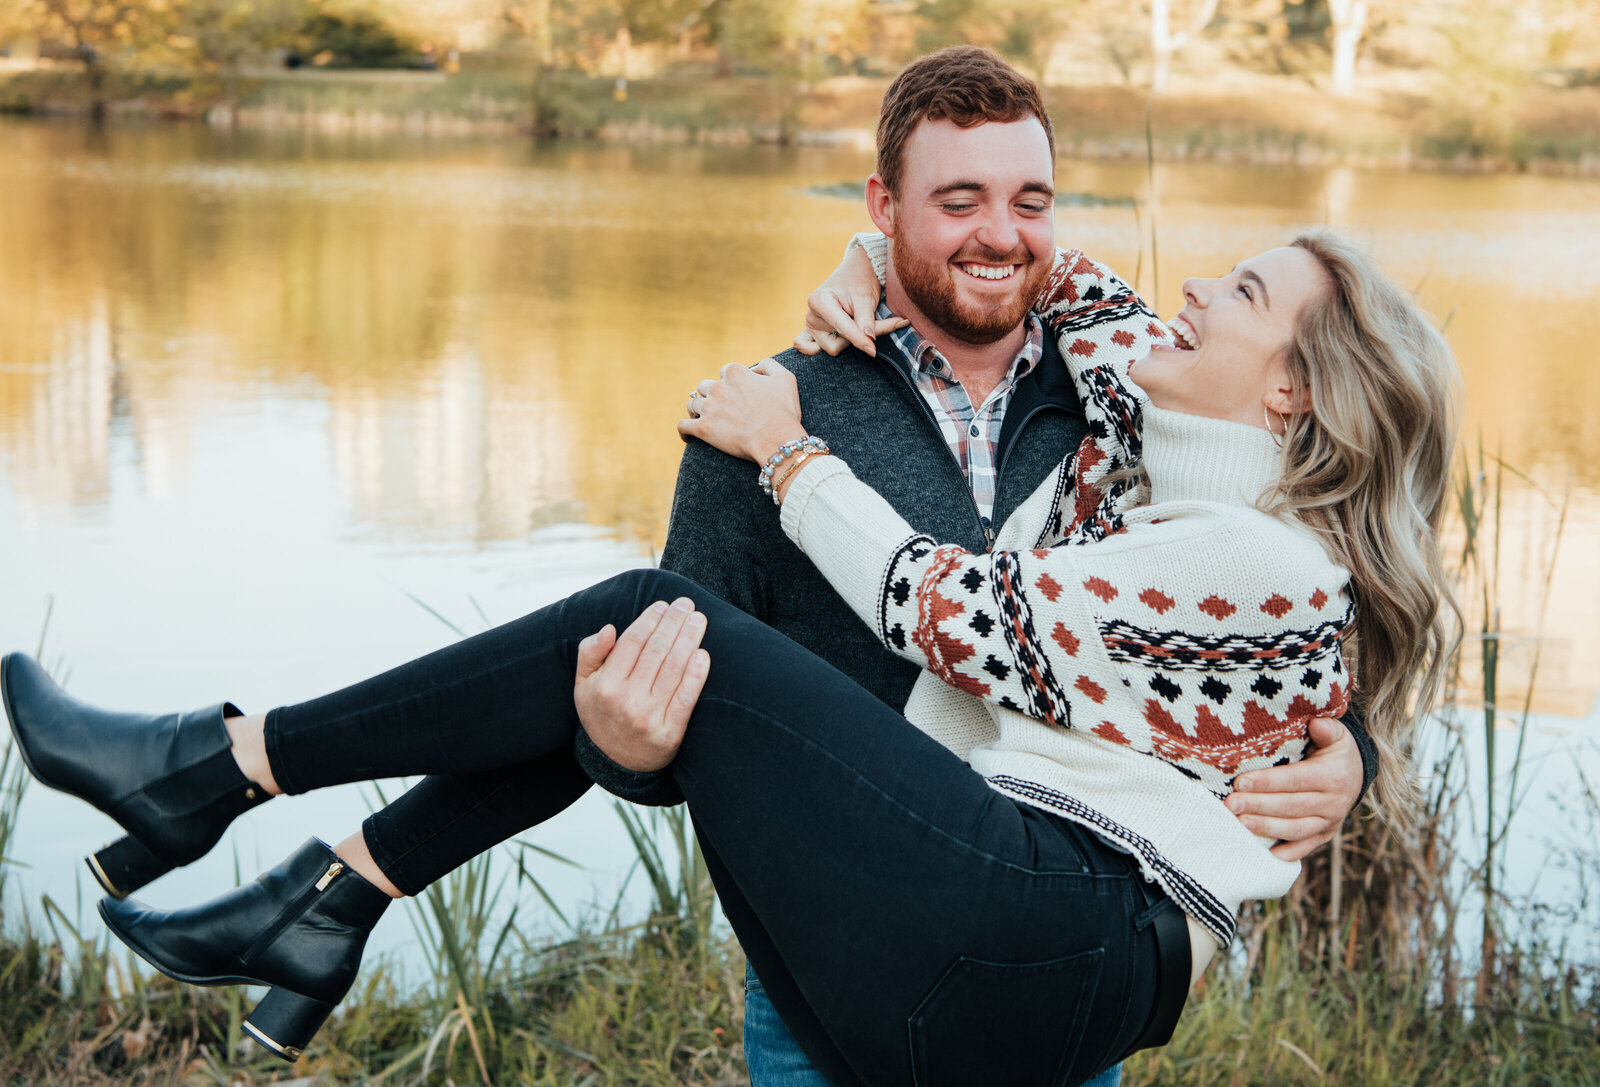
265	396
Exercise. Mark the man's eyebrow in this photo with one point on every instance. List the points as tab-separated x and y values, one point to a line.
967	185
1260	285
960	186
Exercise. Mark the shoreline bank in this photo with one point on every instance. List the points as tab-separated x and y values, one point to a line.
1547	131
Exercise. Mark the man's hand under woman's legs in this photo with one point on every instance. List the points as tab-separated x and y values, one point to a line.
634	693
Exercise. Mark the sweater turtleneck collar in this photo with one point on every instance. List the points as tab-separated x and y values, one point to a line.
1192	458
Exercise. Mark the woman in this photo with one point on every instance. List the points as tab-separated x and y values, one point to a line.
1136	642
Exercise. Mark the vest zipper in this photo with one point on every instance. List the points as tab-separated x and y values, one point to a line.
966	484
292	912
1001	451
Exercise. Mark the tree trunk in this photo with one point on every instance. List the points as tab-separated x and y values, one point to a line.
1164	43
1349	24
1161	45
230	93
1160	70
97	92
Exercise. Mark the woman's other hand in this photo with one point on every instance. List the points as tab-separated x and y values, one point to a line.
748	412
844	310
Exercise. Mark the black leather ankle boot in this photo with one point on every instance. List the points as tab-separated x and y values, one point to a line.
299	928
170	780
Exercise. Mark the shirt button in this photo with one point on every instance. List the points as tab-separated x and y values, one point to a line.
973	431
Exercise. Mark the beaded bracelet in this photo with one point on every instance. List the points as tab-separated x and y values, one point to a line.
800	459
785	451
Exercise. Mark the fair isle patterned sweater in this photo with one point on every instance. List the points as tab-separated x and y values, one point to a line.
1124	651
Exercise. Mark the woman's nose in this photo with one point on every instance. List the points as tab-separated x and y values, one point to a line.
1197	291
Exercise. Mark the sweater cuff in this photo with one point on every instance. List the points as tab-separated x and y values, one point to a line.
1369	750
876	247
654	788
810	476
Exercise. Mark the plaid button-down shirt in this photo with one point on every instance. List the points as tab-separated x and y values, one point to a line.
972	433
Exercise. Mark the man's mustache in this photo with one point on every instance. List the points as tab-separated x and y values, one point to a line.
1019	255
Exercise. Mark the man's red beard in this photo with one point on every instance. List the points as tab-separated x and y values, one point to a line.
931	288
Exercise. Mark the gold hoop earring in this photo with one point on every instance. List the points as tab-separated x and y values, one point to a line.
1266	417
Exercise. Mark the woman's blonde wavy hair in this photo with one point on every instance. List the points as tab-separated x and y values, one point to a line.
1367	466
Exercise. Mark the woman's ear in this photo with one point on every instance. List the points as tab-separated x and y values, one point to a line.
880	205
1281	401
1280	395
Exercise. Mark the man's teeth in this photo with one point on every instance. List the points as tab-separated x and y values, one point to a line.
1182	333
988	271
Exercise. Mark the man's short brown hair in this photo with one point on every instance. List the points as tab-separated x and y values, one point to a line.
963	84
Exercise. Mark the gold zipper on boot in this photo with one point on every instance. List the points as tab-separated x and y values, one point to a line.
289	914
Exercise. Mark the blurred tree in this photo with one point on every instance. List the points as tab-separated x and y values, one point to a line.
95	30
832	35
658	22
532	20
754	31
1349	25
1164	42
356	38
1560	25
217	35
574	35
1482	74
580	30
1025	32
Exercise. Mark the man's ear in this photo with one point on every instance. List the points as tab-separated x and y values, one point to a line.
880	205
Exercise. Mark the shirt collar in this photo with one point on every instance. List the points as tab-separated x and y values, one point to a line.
917	355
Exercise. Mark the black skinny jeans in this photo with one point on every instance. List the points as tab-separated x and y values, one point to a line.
911	925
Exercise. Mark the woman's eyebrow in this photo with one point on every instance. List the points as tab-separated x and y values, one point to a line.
1260	285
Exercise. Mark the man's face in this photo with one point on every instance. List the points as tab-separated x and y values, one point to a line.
973	226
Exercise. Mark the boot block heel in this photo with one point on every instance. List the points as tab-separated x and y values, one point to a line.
124	866
285	1022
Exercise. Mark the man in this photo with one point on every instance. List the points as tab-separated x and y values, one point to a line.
955	420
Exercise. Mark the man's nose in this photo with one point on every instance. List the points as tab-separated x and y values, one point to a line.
997	231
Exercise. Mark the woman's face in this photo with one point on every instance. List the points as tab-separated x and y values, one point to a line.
1227	357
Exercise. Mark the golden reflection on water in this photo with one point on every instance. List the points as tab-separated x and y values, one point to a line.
501	336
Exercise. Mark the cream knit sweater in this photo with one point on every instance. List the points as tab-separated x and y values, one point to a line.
1125	651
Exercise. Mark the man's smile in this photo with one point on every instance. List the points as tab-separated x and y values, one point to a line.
989	271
